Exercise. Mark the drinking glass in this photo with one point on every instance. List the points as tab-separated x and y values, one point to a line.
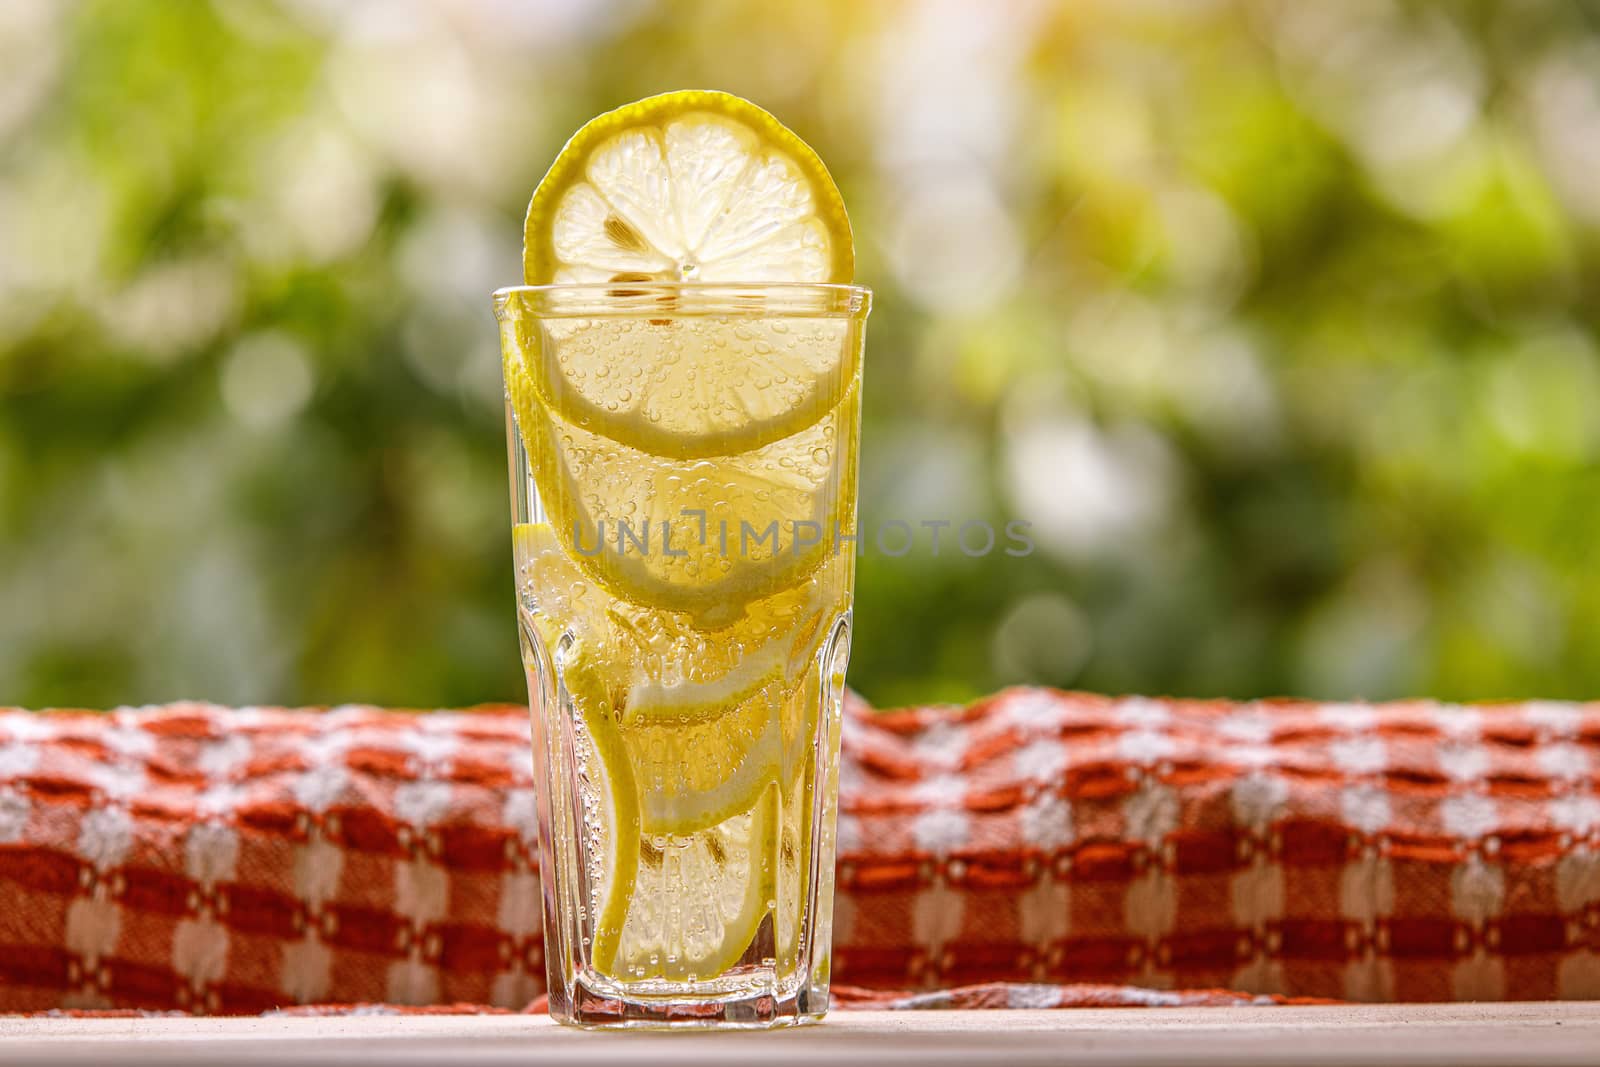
683	490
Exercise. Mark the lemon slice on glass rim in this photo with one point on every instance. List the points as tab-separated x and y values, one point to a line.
695	187
690	186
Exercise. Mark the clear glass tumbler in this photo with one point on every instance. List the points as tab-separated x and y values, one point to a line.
683	488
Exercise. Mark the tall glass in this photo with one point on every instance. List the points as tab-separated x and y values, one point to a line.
683	489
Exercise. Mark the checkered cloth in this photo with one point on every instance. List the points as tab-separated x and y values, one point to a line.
198	858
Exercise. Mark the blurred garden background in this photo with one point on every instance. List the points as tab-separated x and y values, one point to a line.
1277	320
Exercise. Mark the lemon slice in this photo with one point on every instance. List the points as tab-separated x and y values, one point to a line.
688	701
698	900
613	823
699	747
608	796
687	187
705	538
692	186
693	788
668	659
693	386
678	904
699	753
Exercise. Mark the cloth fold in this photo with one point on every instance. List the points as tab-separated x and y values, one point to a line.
197	858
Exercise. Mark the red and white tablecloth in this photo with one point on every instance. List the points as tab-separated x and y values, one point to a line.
1036	848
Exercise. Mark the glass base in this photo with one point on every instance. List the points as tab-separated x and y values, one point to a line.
747	1011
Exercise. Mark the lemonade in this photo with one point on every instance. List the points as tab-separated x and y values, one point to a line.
683	382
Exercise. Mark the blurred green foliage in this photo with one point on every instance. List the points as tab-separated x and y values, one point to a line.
1277	320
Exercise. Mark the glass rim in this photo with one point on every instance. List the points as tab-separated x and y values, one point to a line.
658	299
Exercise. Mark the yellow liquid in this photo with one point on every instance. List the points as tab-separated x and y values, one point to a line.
685	624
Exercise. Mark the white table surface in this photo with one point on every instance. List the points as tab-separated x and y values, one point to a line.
1368	1035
